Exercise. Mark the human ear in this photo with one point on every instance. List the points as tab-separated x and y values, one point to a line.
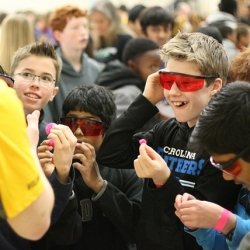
57	35
131	64
55	91
216	86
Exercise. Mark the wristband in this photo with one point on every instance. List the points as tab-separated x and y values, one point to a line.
103	189
222	221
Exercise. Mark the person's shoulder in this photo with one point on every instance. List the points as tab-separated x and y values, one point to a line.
127	90
220	17
117	66
4	89
123	38
92	63
171	122
245	243
168	127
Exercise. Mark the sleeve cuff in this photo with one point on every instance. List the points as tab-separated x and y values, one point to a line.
72	195
103	189
71	177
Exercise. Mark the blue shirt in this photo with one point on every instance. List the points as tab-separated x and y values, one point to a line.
211	239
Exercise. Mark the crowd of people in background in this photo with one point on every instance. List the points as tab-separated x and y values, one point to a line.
148	145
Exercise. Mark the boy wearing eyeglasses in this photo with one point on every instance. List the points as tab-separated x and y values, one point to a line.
196	67
223	131
35	69
108	199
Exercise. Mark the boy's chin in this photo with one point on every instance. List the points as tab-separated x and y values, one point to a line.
181	119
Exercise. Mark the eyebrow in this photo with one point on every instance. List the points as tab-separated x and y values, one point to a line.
33	71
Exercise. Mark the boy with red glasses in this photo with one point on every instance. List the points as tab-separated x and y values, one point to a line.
223	131
108	199
196	69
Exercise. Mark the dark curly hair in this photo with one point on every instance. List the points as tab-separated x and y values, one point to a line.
94	99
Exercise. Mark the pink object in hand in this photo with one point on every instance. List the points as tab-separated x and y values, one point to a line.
141	141
48	127
51	143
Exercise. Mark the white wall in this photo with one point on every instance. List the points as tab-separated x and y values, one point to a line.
42	6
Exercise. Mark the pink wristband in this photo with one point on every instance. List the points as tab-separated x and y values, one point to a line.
222	221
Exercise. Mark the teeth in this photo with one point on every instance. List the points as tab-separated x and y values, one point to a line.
32	96
178	104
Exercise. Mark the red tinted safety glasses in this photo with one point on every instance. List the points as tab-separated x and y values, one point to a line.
184	82
89	127
231	167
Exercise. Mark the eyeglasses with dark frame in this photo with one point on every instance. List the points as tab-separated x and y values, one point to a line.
185	82
88	126
231	167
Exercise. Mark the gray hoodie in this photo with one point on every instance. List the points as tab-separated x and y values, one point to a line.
70	79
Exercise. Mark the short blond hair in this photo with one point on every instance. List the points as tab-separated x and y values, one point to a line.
43	49
201	49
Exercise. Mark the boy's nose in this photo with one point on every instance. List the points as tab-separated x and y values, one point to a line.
78	132
174	89
35	81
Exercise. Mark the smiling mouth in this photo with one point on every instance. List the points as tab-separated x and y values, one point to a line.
32	96
179	104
